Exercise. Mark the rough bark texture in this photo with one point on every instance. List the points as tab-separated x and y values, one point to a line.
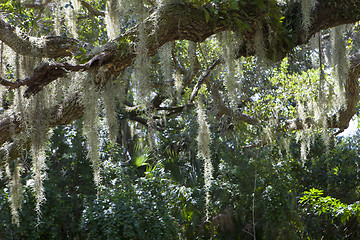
49	46
178	21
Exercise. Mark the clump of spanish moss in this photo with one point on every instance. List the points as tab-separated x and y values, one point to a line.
38	175
2	60
142	63
165	63
57	18
315	44
204	152
340	59
66	16
259	45
37	123
272	124
71	18
90	98
306	7
128	7
178	83
151	126
192	55
75	84
27	65
303	136
14	186
109	97
232	80
112	18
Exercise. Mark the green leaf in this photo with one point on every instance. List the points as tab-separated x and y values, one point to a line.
207	15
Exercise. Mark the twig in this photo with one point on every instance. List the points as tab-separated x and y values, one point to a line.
256	145
39	6
202	78
10	84
91	9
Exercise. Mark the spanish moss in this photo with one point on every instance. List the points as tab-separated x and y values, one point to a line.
204	152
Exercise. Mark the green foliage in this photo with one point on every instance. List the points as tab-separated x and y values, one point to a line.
314	200
142	210
69	181
234	12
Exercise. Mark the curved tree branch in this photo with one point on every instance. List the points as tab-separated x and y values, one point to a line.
48	47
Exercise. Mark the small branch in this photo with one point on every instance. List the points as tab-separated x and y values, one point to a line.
92	10
179	110
224	110
203	78
42	76
141	120
40	6
10	84
256	145
171	109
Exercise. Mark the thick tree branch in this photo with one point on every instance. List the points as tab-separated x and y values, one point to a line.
48	47
61	114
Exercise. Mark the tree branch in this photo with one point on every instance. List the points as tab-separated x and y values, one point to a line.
40	6
43	75
48	47
93	11
203	78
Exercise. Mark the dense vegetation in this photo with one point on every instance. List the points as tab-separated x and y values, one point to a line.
209	119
